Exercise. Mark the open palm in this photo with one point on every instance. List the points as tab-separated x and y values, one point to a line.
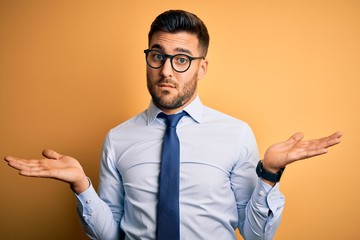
54	165
281	154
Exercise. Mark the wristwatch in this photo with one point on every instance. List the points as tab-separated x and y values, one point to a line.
266	175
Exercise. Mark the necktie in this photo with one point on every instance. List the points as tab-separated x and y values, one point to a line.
168	220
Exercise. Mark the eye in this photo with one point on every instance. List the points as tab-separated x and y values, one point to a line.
182	59
157	57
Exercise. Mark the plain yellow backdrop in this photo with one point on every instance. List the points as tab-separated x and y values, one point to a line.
71	70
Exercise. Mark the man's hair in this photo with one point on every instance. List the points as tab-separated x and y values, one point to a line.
174	21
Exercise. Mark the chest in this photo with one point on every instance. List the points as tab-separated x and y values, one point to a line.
207	157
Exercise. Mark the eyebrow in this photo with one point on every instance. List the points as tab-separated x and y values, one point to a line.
181	50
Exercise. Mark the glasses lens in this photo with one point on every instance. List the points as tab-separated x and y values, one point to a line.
180	62
155	59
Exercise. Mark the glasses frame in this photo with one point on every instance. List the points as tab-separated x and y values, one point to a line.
171	57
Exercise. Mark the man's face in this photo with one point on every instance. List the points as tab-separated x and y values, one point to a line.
172	91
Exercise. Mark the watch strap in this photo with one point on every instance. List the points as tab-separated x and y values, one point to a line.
267	175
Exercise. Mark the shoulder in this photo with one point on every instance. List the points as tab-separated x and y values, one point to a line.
128	125
137	120
210	115
226	122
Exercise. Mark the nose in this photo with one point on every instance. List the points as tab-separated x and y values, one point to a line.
167	70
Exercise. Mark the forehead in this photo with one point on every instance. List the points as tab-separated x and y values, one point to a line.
175	42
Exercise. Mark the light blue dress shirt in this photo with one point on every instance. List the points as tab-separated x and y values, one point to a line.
219	189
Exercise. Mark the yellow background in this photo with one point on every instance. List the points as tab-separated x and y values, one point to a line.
71	70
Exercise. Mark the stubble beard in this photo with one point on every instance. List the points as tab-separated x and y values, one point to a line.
164	101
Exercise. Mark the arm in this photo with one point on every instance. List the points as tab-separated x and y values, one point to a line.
259	205
262	215
96	216
102	214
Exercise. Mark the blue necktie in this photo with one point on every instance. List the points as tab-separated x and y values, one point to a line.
168	219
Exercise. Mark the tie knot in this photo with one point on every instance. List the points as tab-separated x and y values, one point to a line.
173	119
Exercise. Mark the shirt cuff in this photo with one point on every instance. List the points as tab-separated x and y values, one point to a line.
87	201
269	198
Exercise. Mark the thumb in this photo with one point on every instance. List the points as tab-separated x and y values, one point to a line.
48	153
297	137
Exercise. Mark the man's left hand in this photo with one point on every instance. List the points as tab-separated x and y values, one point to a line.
281	154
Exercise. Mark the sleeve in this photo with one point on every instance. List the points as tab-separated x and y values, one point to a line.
100	214
259	205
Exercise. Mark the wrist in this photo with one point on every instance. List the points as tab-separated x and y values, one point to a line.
268	168
80	186
268	176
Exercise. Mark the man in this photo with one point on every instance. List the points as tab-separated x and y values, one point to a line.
218	188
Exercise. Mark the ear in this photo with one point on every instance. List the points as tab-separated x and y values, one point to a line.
202	69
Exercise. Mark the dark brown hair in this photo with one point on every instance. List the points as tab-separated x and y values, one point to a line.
174	21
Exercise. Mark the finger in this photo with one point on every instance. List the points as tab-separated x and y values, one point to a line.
13	161
21	164
8	158
48	153
328	141
335	138
31	168
36	172
319	146
313	153
297	137
11	158
20	161
337	134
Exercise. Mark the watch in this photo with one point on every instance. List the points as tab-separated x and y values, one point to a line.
266	175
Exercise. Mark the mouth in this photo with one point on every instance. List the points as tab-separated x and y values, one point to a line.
166	84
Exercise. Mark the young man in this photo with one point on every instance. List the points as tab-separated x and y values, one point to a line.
221	185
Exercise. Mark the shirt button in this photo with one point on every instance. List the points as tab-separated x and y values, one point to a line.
261	193
88	201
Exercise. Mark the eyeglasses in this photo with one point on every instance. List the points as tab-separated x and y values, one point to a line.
179	62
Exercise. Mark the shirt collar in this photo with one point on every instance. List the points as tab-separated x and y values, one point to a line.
194	109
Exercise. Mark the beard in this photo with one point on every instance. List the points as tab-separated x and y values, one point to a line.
164	100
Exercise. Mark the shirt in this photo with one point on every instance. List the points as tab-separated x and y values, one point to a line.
219	188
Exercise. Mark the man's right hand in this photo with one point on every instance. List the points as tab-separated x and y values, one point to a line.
54	165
